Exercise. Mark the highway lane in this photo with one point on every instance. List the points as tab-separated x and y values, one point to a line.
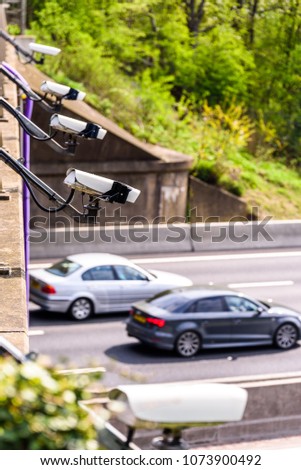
102	340
281	269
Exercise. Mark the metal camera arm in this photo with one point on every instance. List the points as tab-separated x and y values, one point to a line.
26	89
19	49
31	180
32	129
36	132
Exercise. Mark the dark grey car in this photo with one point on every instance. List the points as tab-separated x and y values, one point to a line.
188	319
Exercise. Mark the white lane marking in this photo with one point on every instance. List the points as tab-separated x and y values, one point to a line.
240	256
84	370
39	265
36	333
260	284
185	259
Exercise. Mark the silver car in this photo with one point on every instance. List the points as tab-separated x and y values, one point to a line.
89	283
186	320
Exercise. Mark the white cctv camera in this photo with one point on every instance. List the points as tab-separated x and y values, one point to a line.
74	126
62	91
179	405
49	50
109	190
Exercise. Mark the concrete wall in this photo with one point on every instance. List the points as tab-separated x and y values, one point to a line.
209	202
13	312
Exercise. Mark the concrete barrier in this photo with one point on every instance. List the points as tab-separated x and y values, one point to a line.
239	235
165	238
121	240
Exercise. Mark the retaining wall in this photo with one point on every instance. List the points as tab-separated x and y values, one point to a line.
212	202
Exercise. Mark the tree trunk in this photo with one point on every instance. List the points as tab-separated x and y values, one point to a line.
195	13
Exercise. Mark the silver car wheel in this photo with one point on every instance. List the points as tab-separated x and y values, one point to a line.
286	336
81	309
188	344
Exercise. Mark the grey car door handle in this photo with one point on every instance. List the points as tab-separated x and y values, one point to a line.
236	321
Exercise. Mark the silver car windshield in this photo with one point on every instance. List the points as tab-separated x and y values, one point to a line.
63	268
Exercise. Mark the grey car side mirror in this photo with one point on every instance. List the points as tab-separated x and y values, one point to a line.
260	310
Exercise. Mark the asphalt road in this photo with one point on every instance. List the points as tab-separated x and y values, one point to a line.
103	341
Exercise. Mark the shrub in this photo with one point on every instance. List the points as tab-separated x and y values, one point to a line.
39	408
207	171
233	186
224	137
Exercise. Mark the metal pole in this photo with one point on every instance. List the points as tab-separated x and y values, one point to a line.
23	16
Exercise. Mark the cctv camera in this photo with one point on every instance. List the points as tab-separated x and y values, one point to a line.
73	126
110	191
49	50
62	91
177	405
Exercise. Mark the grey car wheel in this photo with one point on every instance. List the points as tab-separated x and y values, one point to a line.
188	344
286	336
81	309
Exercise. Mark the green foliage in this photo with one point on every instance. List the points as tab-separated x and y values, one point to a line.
217	68
154	66
13	29
39	409
206	170
143	66
225	137
231	184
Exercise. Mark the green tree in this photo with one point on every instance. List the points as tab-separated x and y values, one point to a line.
143	62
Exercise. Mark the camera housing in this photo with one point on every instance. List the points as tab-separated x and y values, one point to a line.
43	49
109	190
62	91
74	126
179	405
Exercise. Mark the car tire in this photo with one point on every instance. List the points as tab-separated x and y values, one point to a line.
286	336
188	343
81	309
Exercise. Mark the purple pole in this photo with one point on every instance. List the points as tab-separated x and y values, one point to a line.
26	196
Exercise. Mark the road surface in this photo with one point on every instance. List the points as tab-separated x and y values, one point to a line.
102	340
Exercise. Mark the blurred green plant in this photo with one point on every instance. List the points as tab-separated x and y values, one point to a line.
39	408
13	29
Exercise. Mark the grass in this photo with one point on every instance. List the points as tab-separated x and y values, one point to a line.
270	186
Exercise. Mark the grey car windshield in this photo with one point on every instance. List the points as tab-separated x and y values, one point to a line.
63	268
